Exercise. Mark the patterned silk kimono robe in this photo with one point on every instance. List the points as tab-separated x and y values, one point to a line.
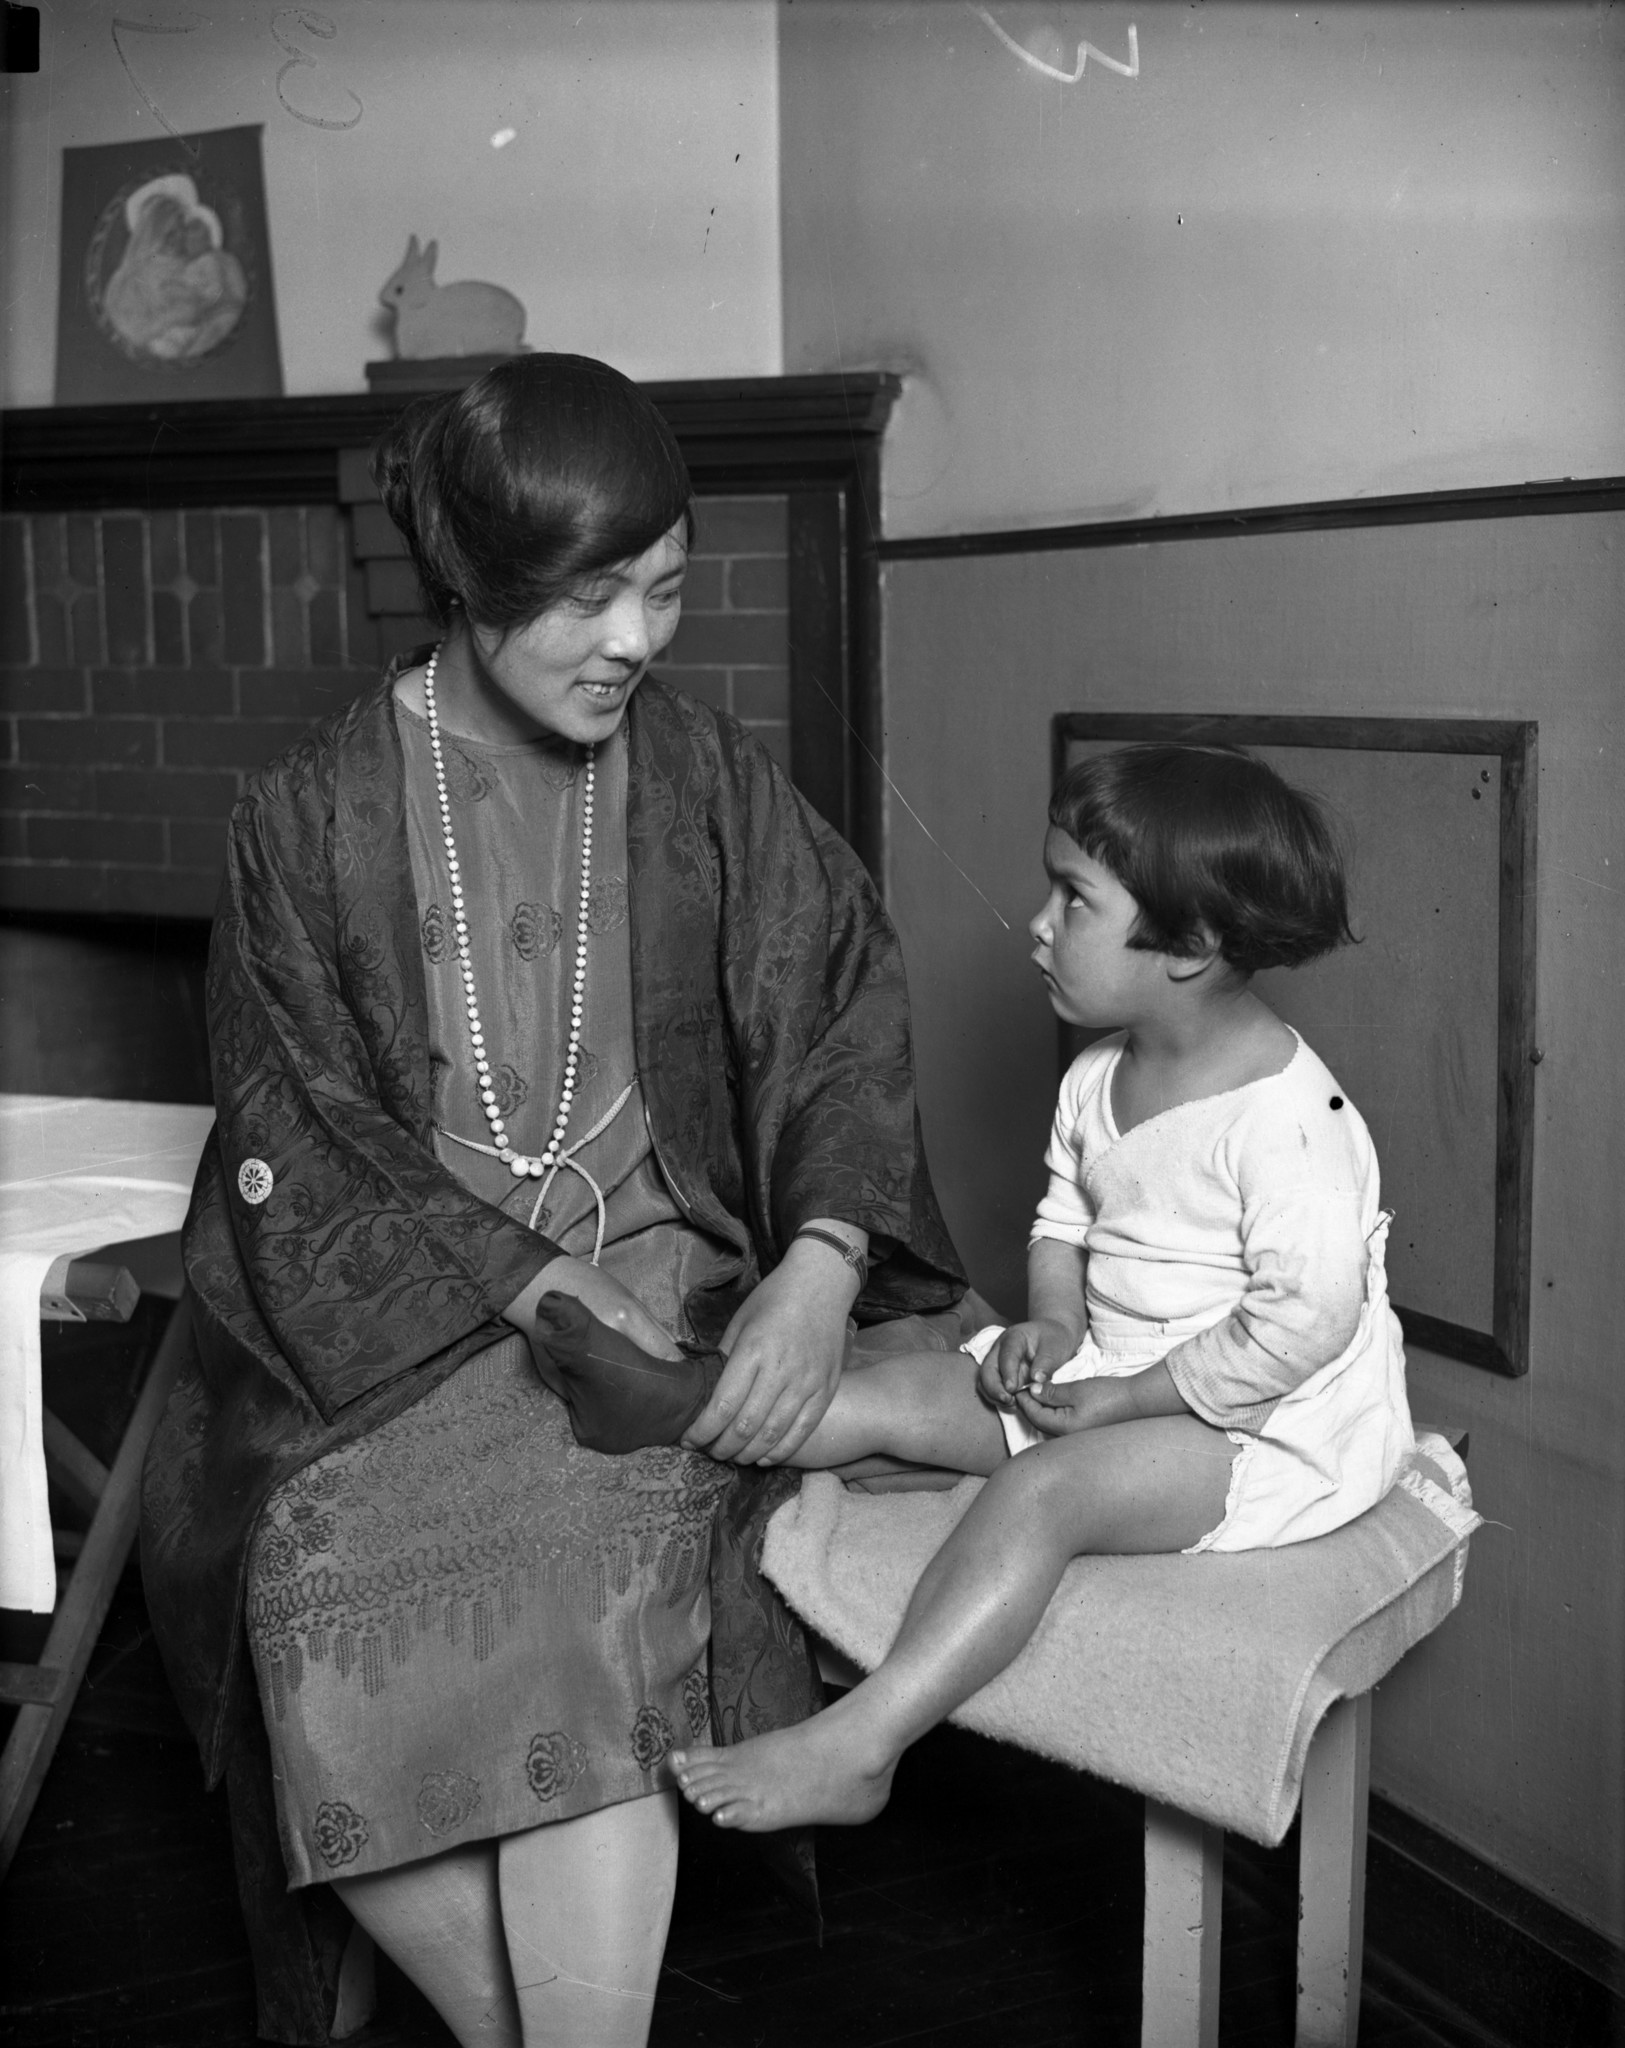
771	1028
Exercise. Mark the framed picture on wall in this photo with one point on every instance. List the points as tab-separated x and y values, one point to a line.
1429	1020
165	288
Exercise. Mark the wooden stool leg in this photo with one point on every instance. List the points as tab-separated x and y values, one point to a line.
1331	1877
1184	1897
82	1608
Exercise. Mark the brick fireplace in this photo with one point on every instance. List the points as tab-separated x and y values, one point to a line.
184	588
152	659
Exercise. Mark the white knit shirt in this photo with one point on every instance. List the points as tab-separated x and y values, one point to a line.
1239	1238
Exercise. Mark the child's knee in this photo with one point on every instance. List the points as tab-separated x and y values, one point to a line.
1050	1485
1032	1476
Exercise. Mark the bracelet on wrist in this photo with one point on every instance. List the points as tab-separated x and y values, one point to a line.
854	1258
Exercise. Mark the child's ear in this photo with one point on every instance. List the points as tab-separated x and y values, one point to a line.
1187	966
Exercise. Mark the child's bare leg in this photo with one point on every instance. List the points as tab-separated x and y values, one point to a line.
922	1406
1153	1485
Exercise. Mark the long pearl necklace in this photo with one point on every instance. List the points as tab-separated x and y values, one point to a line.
517	1163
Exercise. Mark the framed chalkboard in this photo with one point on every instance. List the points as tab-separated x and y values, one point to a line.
1429	1022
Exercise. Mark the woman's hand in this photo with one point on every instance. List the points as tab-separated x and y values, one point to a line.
597	1292
785	1349
1024	1357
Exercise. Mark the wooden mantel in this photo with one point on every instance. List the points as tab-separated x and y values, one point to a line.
734	433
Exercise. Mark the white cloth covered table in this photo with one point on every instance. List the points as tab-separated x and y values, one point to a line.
76	1174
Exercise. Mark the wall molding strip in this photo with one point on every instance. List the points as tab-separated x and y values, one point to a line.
1497	501
1537	1920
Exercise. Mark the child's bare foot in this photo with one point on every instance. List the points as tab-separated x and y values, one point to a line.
787	1779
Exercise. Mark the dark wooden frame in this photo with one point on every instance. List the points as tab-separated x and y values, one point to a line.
814	439
1504	1348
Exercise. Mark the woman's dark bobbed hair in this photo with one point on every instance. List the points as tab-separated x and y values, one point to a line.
1209	840
542	474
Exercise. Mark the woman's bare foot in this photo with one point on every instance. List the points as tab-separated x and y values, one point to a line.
788	1779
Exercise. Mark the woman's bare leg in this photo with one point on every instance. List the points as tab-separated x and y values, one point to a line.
547	1939
1153	1485
586	1904
441	1922
922	1406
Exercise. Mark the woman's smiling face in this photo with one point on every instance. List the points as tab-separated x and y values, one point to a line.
572	671
1082	950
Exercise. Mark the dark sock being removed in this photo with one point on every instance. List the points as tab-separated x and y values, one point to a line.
620	1397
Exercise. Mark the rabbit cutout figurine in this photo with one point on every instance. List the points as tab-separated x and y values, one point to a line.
463	319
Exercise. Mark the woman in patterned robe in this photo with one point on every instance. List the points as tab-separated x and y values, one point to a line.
439	1651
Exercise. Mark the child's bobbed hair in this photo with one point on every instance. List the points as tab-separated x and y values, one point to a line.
542	474
1208	840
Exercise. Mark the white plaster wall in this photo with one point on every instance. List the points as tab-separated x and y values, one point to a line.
1503	1730
1308	252
635	211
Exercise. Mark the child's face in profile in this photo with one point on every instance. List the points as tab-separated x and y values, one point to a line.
1082	951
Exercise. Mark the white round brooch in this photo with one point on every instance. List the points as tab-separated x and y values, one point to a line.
254	1181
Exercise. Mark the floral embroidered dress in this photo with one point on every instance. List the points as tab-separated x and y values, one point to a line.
341	1271
466	1624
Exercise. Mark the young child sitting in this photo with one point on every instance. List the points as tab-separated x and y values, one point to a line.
1209	1360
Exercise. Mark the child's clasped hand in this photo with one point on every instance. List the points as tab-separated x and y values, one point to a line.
1024	1359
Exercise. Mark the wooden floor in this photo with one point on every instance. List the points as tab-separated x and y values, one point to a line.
997	1901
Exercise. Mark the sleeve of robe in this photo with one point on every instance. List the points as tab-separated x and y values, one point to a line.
813	982
367	1257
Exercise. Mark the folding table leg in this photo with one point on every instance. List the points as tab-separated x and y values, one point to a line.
83	1607
1331	1877
1184	1897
